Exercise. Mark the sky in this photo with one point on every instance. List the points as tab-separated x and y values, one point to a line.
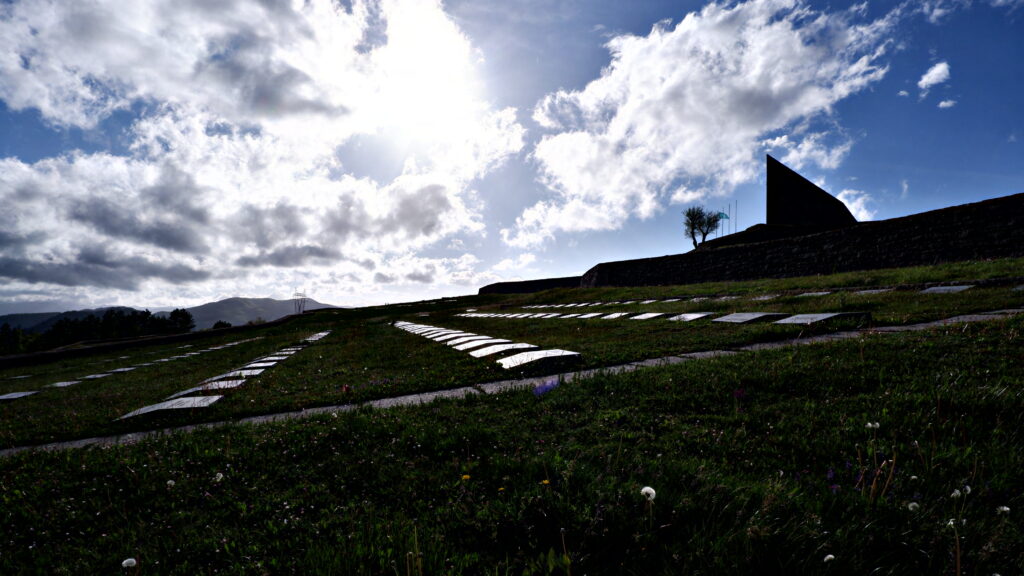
163	153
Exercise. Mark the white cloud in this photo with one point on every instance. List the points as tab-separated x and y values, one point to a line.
947	103
903	93
935	75
233	176
682	112
904	189
518	263
857	202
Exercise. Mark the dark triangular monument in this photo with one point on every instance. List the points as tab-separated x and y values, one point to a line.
795	201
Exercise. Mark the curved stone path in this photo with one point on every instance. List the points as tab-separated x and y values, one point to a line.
506	385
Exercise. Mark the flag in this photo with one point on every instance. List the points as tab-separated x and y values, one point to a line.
723	215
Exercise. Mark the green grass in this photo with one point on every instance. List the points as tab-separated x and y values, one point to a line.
366	358
762	464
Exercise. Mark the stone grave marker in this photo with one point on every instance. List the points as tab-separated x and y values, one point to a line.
274	358
648	301
872	291
64	384
516	360
499	348
261	365
808	319
749	317
479	343
590	315
810	294
450	336
218	385
177	404
946	289
615	315
670	300
690	316
464	339
243	373
128	369
647	316
95	376
570	316
16	395
765	297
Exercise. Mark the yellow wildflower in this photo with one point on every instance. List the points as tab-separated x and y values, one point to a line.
465	476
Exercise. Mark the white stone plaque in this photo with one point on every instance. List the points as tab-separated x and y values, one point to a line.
465	339
810	294
690	316
64	384
590	315
499	348
218	385
260	365
749	317
945	289
615	315
178	404
16	395
647	316
527	357
450	336
479	343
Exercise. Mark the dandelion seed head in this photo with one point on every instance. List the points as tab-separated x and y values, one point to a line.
829	558
170	483
648	493
129	563
1003	510
218	477
913	506
967	489
955	494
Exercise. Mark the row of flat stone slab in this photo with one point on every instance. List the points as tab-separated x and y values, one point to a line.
480	346
80	379
736	318
228	380
761	298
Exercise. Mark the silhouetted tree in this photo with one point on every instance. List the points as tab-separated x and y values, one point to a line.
181	320
698	219
221	324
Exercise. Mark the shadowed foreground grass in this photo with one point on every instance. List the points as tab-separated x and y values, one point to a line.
762	463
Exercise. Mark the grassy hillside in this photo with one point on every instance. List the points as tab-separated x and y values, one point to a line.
761	462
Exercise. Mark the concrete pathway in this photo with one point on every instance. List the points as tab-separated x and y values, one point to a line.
507	385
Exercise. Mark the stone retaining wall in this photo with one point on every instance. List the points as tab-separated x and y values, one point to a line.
988	229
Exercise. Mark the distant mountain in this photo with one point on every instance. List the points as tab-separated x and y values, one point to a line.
40	322
26	321
239	311
236	311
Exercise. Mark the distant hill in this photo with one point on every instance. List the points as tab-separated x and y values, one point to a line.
40	322
236	311
26	321
239	311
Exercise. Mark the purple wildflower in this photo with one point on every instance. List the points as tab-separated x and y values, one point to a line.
542	389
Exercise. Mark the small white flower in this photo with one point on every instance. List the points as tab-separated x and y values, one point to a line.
950	523
913	478
218	477
829	558
128	563
648	493
955	494
1003	510
913	506
967	489
170	483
